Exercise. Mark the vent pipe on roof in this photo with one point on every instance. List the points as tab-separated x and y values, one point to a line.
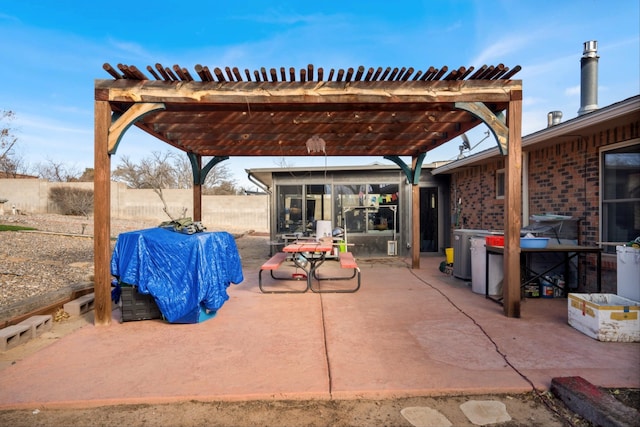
554	118
589	78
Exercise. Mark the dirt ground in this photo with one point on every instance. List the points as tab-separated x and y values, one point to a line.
525	410
531	409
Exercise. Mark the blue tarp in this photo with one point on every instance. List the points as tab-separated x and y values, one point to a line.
185	274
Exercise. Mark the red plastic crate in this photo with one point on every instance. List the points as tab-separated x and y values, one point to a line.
494	240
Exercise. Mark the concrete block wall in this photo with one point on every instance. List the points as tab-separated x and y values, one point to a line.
229	213
27	195
236	212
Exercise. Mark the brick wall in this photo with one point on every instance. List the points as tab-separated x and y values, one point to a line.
475	188
563	179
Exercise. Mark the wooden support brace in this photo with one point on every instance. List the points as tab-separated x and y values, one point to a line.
495	125
120	123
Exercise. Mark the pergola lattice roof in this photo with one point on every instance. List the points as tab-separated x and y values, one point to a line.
379	112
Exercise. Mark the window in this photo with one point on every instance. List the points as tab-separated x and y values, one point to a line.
318	202
298	207
358	207
367	208
500	184
289	209
620	210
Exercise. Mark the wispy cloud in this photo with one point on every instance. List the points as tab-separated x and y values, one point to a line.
572	91
499	50
46	123
127	49
9	18
280	16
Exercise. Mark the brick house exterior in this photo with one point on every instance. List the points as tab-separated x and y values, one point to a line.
561	175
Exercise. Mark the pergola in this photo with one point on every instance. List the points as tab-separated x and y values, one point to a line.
393	113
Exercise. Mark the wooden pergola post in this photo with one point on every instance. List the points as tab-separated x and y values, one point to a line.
102	214
513	208
197	192
415	217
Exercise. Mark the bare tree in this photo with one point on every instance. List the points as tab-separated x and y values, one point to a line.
87	175
8	163
222	189
156	172
220	181
72	201
184	173
171	170
13	165
283	163
56	171
127	173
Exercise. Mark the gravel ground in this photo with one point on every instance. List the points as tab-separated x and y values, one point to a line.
43	266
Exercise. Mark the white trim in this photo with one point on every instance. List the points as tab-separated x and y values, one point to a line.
504	184
525	189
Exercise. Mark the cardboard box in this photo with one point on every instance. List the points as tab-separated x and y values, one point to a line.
605	317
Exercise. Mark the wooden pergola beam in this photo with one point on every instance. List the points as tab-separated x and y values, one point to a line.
300	93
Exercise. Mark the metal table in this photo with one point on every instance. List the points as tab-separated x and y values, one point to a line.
527	275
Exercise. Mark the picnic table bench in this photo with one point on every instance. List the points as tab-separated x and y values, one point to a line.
271	265
346	260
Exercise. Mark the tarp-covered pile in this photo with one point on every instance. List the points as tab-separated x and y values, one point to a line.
184	273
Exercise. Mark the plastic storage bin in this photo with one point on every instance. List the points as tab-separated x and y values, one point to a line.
605	317
534	242
628	272
495	240
137	306
462	251
479	268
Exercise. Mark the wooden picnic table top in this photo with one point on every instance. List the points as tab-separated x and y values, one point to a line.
309	246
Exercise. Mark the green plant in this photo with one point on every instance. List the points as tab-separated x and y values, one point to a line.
5	227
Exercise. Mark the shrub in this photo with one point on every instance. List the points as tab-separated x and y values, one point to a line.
72	201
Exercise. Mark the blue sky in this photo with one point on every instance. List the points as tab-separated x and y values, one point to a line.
52	52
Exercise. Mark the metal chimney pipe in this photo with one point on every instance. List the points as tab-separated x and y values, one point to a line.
589	78
554	118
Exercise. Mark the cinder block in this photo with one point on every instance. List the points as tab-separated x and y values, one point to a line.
14	335
38	324
80	305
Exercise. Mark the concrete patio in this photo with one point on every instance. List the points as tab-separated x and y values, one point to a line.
404	333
